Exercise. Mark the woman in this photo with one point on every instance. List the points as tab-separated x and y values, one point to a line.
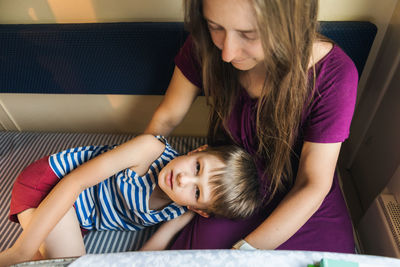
287	96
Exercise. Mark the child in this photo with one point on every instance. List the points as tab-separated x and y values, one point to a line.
139	183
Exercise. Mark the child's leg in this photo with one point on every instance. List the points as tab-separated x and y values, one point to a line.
65	240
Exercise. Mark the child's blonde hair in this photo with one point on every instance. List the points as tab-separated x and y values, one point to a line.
235	191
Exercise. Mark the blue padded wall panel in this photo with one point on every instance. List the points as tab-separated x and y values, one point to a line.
118	58
103	58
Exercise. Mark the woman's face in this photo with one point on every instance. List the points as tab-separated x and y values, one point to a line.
233	29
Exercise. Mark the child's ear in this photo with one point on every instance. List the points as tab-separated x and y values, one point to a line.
200	212
199	149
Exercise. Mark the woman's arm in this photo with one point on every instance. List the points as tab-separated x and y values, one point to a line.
176	103
166	232
135	153
313	182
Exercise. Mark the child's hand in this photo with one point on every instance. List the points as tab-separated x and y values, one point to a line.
8	257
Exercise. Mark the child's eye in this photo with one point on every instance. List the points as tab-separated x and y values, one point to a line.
197	167
197	193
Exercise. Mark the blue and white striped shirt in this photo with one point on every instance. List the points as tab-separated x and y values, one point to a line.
120	202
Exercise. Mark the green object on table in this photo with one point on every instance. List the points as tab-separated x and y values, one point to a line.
337	263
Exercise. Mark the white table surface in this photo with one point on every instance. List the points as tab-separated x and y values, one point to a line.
227	257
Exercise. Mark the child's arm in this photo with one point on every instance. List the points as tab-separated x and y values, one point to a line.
138	153
166	232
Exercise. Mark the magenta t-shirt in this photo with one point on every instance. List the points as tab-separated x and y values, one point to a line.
326	120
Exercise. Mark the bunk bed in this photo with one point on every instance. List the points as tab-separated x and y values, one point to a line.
104	58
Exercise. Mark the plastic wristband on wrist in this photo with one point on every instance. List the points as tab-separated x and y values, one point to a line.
243	245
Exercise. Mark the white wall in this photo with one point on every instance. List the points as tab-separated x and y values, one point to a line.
91	113
82	11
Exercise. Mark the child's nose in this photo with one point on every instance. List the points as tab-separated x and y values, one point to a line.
184	179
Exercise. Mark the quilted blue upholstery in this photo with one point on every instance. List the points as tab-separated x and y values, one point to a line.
118	58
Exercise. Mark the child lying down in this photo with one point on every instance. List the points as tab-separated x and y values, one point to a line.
140	183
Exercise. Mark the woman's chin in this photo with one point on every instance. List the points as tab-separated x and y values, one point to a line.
243	66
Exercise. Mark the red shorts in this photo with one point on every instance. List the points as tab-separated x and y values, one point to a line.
31	187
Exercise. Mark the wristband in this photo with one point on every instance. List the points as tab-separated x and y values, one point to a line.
243	245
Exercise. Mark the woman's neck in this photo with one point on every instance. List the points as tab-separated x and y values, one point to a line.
253	81
319	50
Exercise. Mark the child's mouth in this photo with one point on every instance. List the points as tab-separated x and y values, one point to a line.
170	180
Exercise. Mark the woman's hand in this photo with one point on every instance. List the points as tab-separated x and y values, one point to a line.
199	149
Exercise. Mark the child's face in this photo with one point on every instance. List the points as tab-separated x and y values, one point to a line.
185	179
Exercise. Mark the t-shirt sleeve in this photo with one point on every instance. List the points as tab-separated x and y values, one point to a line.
330	114
188	64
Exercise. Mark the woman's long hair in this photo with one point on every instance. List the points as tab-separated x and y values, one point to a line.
287	30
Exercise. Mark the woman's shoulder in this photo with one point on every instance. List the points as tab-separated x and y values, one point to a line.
328	117
187	62
335	71
329	57
320	50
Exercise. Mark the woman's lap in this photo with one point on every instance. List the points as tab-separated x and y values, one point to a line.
214	233
329	229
